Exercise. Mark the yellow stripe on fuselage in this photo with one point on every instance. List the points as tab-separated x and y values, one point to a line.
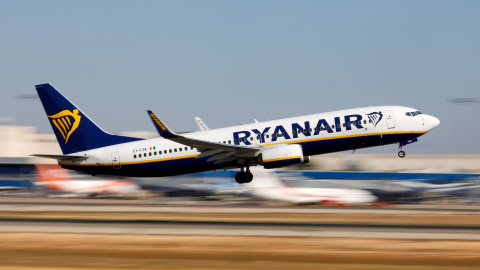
342	137
268	144
127	163
278	159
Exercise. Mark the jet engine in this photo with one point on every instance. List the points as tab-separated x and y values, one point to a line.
283	155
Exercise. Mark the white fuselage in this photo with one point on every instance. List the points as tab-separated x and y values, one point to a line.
316	133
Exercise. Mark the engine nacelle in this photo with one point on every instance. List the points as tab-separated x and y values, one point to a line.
282	156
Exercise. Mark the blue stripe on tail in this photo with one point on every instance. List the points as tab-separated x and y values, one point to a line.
74	130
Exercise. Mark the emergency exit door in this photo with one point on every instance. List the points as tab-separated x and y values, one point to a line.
390	119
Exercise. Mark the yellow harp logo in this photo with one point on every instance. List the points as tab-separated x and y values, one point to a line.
66	122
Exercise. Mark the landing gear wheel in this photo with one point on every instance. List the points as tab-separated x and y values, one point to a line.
243	177
240	177
249	177
401	154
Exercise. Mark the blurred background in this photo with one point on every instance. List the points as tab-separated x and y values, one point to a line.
230	62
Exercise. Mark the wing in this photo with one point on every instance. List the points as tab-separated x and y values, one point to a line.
218	152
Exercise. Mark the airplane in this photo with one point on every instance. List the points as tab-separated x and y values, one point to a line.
53	177
269	186
271	144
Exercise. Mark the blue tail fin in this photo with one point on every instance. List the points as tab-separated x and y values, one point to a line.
74	130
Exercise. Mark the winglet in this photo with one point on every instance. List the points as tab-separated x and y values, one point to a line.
162	129
201	124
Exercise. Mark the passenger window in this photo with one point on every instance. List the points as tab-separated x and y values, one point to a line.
186	148
333	126
144	154
170	150
175	150
134	156
344	124
180	149
229	142
364	122
155	153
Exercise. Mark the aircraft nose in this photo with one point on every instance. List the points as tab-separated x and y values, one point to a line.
431	122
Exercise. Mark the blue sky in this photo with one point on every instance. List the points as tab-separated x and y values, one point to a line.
231	61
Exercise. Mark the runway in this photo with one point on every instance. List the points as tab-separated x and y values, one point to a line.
156	205
68	233
154	216
292	229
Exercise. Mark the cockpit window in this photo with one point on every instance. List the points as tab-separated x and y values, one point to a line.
412	114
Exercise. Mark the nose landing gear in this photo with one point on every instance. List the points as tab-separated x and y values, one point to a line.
244	176
401	153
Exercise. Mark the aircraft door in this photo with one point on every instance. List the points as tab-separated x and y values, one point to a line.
390	119
116	160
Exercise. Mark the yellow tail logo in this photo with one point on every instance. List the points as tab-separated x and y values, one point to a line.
66	122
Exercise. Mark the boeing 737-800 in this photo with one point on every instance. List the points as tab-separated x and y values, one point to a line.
272	144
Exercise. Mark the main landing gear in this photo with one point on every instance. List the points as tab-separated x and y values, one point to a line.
244	176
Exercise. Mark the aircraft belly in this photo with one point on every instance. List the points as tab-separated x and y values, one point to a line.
348	143
148	169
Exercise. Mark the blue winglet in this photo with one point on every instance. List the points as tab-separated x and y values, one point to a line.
162	129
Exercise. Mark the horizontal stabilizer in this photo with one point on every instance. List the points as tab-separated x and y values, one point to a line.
61	157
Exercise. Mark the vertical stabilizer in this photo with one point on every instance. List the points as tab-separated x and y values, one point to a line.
75	132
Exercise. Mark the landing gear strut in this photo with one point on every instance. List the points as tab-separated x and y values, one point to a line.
401	153
244	176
